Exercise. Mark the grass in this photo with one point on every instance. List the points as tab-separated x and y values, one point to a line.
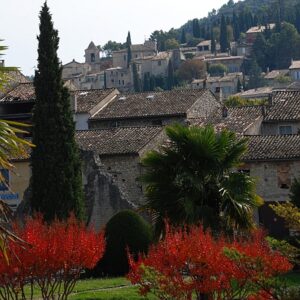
121	289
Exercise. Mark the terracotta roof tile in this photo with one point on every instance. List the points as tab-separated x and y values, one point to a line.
87	99
238	118
23	92
167	103
126	140
285	106
279	147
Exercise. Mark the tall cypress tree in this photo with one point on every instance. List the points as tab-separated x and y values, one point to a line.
236	27
224	35
170	79
128	46
196	28
56	181
213	41
183	37
136	79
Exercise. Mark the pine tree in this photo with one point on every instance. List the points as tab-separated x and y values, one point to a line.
56	181
170	79
223	35
128	46
213	42
196	28
183	37
136	79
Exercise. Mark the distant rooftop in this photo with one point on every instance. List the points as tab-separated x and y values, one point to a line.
260	28
295	65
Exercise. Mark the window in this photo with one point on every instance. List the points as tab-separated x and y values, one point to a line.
122	74
136	56
119	82
112	80
124	57
5	175
159	63
285	130
123	82
206	48
92	57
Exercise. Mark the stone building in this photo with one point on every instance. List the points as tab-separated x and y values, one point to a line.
274	161
86	103
120	59
295	70
155	108
112	168
228	83
120	78
233	63
282	116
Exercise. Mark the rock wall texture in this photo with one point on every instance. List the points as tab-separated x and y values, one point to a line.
103	196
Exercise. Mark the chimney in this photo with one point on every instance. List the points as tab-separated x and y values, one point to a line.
218	94
224	112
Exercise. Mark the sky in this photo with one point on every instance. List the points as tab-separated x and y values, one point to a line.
80	22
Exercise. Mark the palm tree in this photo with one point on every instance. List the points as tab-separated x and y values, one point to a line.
10	145
192	179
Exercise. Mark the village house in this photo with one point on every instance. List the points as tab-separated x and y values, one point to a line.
274	161
85	103
295	70
120	58
233	63
283	115
228	83
252	32
111	174
258	93
277	78
120	78
155	108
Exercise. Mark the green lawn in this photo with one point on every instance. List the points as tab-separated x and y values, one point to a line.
121	289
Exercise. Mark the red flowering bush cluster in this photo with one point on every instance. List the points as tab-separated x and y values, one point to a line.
191	261
53	258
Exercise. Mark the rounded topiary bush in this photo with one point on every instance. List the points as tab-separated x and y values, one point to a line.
125	229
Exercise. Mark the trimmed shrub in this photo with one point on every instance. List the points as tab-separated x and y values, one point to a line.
125	230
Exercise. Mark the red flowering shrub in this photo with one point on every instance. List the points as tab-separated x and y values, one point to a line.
192	261
53	260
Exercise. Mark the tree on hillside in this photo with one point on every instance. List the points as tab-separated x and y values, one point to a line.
213	42
191	180
128	46
224	43
255	78
111	46
56	181
236	27
191	69
171	44
170	78
196	29
137	85
183	37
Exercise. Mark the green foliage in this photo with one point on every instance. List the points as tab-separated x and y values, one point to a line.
171	44
182	37
191	180
196	28
111	46
224	42
255	75
295	192
234	101
56	181
124	230
191	69
213	42
137	85
128	46
217	70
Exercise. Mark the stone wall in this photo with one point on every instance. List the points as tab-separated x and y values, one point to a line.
103	196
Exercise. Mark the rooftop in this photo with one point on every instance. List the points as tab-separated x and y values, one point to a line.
23	92
238	119
262	92
260	28
285	106
295	64
149	104
116	141
88	99
275	147
275	73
